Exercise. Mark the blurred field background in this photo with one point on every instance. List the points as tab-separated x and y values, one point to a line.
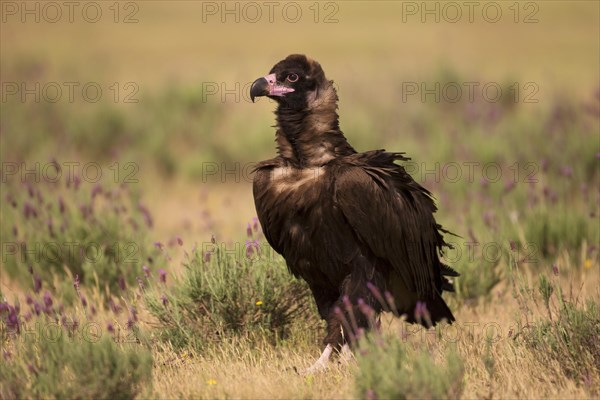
175	146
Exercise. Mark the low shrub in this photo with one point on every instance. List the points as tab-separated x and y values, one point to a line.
47	358
388	369
569	335
96	231
223	295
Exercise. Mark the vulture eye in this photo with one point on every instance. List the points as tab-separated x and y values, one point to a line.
292	77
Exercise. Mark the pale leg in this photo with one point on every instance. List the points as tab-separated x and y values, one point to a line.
322	362
346	354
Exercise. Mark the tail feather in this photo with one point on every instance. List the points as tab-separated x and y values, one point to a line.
447	271
437	310
447	285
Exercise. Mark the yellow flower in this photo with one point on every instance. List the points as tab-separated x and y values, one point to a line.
259	303
185	357
587	264
211	382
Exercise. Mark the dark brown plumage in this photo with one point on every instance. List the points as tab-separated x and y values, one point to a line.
343	219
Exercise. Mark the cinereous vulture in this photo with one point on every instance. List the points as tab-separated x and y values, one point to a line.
355	226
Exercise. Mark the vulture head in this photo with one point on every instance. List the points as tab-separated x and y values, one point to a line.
297	83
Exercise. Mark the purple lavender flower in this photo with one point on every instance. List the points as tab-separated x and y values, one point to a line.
133	313
37	283
164	300
83	300
32	370
377	293
47	299
30	190
472	236
76	283
86	211
421	312
76	182
115	308
50	227
48	309
146	214
29	210
390	300
27	316
347	303
509	186
567	171
365	308
75	324
61	205
12	320
162	275
555	269
146	271
249	230
11	200
96	190
39	197
513	245
489	219
122	283
251	248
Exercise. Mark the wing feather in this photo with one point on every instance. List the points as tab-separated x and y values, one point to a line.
393	216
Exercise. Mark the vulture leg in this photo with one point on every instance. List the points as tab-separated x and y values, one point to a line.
322	362
346	354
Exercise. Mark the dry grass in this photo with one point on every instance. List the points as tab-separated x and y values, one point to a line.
240	371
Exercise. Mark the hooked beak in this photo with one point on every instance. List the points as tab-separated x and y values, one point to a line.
267	86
